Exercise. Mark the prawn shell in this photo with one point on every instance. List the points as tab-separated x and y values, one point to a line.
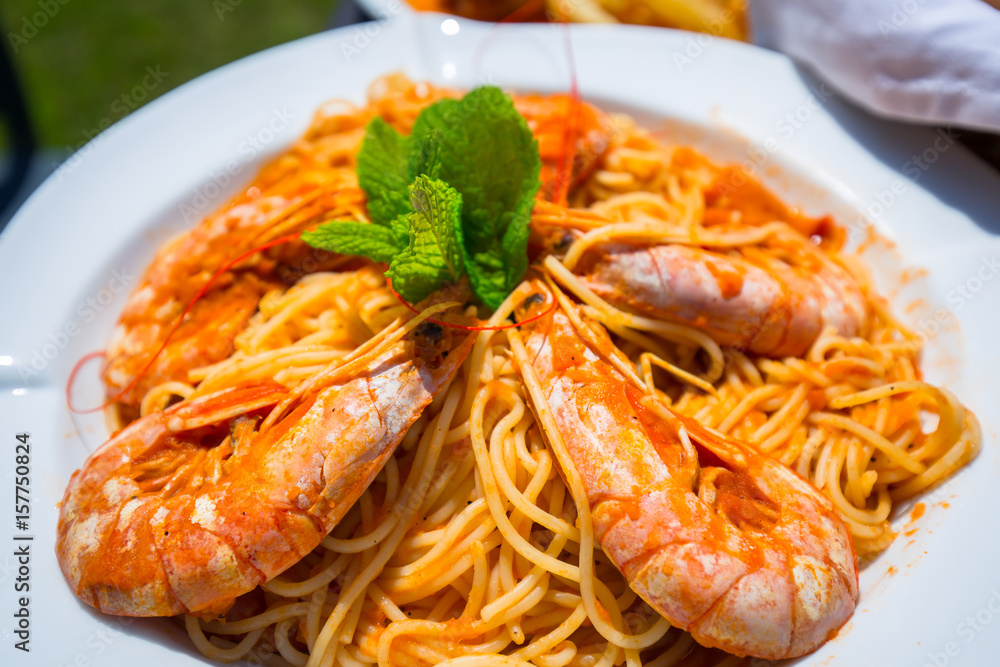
774	590
764	306
132	553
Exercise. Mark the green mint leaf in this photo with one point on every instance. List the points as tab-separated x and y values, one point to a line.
355	238
425	154
454	198
435	255
400	226
486	152
437	210
383	175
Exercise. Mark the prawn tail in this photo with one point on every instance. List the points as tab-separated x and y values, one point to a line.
722	541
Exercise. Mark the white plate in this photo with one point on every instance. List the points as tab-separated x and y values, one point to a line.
78	243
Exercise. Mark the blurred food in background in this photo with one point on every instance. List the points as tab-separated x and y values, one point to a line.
486	10
724	18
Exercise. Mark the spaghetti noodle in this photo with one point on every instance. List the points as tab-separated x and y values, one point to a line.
473	545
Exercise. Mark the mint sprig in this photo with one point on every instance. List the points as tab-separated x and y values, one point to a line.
489	155
454	198
374	241
434	255
383	175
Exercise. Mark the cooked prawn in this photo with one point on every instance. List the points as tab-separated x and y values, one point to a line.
572	136
759	303
724	542
750	298
186	509
277	205
274	205
184	265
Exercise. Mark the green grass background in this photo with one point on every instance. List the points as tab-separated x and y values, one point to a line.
92	51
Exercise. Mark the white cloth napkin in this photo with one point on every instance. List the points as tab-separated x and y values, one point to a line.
929	61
